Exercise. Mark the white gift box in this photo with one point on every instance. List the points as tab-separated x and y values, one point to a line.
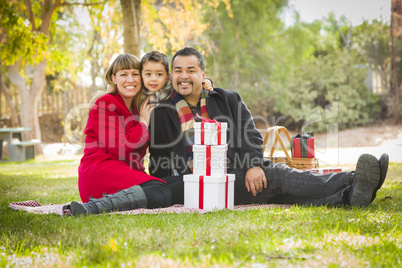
209	192
209	160
209	133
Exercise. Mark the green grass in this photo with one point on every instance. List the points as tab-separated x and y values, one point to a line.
297	236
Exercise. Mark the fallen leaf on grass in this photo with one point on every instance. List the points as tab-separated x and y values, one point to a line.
113	244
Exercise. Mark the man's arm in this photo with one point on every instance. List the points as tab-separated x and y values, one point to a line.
249	137
250	142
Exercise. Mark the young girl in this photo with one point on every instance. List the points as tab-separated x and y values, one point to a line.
156	77
115	145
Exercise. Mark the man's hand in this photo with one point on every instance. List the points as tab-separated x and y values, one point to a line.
255	180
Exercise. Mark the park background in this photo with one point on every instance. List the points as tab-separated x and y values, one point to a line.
53	54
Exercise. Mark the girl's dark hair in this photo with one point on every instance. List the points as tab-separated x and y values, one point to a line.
164	93
156	56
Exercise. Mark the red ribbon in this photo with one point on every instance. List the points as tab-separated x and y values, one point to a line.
201	193
208	160
226	191
219	134
202	133
207	120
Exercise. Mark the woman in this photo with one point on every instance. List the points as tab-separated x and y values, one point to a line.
115	145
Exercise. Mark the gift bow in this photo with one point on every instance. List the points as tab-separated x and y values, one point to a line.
207	120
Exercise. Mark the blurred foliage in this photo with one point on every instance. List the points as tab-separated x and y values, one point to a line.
372	42
290	75
105	34
241	43
313	89
287	74
68	40
163	31
325	76
17	41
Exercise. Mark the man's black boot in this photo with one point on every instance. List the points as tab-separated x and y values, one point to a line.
384	160
366	180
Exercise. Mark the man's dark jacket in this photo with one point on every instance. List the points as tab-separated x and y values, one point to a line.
167	151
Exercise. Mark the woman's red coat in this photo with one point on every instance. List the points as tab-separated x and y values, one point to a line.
115	146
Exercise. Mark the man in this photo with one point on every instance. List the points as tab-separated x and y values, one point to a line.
257	179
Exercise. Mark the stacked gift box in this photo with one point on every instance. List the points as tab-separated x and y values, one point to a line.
209	187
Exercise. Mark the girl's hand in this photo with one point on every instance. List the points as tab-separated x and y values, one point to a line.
145	111
207	85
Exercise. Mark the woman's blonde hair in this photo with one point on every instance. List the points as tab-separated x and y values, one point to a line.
122	62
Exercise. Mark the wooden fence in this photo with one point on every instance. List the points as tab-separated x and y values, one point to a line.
56	103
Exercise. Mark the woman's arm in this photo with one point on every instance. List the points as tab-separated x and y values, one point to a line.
117	133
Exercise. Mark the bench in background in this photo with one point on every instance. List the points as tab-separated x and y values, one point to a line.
18	149
23	150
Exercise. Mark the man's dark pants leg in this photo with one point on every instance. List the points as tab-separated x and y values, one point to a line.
285	185
176	186
293	186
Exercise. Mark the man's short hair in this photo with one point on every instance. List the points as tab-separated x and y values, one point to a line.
189	51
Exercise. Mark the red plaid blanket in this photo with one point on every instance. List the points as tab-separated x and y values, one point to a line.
35	207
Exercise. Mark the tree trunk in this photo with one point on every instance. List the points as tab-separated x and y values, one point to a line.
396	9
93	76
0	96
30	97
94	61
131	26
14	117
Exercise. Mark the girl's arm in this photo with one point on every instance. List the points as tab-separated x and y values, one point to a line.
208	84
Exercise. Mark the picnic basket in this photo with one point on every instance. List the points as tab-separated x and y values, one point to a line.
299	163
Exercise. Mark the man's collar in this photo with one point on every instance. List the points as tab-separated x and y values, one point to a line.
214	93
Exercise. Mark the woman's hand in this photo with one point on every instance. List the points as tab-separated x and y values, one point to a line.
145	111
207	85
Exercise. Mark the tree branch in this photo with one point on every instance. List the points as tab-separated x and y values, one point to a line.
94	39
30	14
346	39
46	16
84	4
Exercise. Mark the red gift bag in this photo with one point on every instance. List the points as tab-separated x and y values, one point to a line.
302	146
